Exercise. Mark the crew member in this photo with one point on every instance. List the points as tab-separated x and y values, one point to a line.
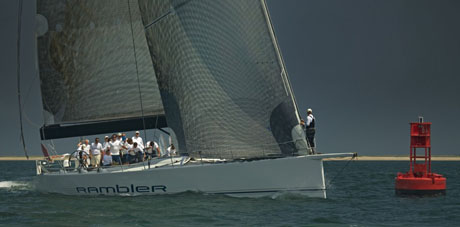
96	149
115	146
138	153
171	150
310	130
79	154
137	139
83	153
152	149
107	160
105	148
126	148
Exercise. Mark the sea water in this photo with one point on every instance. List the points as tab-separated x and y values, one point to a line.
362	194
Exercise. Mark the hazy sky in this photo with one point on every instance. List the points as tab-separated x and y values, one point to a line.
365	67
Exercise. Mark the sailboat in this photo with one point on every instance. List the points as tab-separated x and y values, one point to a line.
208	73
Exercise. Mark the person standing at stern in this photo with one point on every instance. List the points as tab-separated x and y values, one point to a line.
310	130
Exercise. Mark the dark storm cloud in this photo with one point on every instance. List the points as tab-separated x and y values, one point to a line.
366	68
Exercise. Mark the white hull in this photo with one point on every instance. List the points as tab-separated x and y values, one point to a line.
302	174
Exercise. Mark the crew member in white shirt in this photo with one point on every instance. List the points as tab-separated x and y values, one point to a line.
136	154
84	149
115	149
79	154
107	160
152	149
105	148
123	150
106	145
137	139
310	130
96	149
171	150
128	146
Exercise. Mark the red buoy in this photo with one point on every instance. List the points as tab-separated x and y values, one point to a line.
420	180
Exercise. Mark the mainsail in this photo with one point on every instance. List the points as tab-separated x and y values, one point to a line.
91	70
221	77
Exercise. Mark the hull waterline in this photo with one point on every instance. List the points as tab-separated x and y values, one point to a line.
301	174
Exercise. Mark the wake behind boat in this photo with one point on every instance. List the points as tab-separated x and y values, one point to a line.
207	74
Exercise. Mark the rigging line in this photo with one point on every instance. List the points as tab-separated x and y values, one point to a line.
29	90
341	170
137	73
153	139
18	71
45	108
278	52
171	10
30	121
158	19
24	104
154	130
53	149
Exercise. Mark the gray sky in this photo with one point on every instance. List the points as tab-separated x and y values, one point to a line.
365	67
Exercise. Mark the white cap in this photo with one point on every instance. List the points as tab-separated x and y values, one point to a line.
137	132
309	110
119	134
106	137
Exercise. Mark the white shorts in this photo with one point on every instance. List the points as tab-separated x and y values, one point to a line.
96	160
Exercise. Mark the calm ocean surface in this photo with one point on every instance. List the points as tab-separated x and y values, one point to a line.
362	195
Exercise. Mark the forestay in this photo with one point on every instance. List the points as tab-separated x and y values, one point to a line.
221	77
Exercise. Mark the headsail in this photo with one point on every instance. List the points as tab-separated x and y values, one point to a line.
87	63
221	78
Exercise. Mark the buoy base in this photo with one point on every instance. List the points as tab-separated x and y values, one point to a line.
420	192
427	184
